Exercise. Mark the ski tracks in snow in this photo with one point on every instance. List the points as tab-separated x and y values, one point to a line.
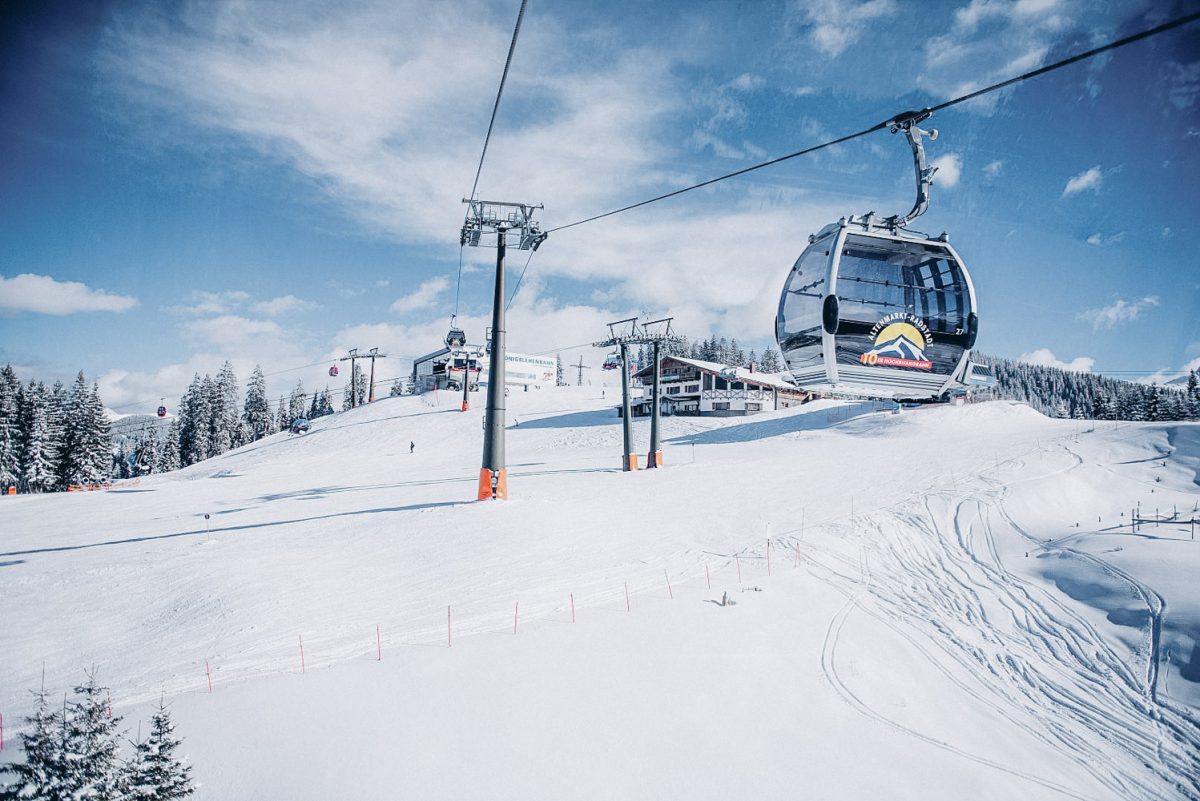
930	570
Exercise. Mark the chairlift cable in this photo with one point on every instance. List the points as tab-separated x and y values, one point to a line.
1176	23
499	92
520	278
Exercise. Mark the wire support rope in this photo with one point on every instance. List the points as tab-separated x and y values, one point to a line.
1128	40
499	93
520	278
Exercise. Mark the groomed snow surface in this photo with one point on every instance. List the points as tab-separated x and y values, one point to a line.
942	604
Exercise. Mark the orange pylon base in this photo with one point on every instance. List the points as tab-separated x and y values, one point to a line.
631	462
466	406
655	459
485	485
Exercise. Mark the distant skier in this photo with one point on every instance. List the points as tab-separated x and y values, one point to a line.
412	446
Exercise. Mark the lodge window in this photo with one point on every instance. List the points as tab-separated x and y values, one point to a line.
721	406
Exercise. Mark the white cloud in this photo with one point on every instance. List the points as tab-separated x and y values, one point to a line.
1100	239
837	24
362	103
282	305
1119	311
201	302
1046	358
42	294
747	82
1090	178
993	168
802	91
949	169
423	297
991	40
232	333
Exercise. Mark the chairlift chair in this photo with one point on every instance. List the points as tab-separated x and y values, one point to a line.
612	361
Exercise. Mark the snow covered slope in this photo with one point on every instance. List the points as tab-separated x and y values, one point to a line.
955	606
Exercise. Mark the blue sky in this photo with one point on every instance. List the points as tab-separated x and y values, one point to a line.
273	183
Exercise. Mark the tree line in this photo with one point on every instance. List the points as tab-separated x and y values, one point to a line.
1091	396
713	349
52	438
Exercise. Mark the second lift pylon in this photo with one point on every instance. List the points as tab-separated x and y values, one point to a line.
622	334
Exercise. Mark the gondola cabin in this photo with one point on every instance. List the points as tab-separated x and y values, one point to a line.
333	371
877	312
162	411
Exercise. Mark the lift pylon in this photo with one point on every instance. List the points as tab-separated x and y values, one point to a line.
622	334
504	220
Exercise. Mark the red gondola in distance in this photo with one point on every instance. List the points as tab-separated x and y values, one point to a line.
162	411
333	371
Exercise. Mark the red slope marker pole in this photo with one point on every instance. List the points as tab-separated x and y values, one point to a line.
301	636
378	645
738	562
208	673
797	554
768	557
627	596
572	607
669	592
516	608
707	578
449	642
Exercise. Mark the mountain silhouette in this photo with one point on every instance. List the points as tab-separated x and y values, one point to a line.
899	348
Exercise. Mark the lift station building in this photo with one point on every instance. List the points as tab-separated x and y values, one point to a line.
446	368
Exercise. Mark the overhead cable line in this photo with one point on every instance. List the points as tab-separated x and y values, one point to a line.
499	92
488	138
918	115
520	278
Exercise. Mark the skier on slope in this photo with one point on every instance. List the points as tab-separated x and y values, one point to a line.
412	446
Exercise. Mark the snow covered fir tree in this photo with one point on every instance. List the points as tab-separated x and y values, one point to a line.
52	439
75	753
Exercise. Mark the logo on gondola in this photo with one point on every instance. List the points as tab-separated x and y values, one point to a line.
900	341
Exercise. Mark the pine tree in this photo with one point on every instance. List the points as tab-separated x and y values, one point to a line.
282	421
1192	403
120	458
97	439
771	362
155	773
145	459
71	463
37	463
559	380
737	357
257	411
225	430
358	383
296	402
91	767
752	359
56	418
10	429
168	456
39	777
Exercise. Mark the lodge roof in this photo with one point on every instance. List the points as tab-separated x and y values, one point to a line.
772	380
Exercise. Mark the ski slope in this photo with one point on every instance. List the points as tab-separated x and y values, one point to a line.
944	603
